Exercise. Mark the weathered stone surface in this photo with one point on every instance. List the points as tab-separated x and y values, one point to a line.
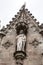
34	54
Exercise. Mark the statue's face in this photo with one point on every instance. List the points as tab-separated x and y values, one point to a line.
21	31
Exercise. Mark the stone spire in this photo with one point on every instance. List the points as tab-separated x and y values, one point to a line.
23	7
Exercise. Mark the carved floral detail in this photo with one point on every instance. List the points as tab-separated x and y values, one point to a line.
35	43
7	44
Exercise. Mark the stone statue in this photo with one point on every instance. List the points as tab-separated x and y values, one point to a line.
21	41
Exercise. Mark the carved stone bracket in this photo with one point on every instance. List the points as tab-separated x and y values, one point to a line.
19	56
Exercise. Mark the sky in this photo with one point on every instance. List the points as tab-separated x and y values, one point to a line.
9	8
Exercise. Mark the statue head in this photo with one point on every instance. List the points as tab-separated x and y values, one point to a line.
21	32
